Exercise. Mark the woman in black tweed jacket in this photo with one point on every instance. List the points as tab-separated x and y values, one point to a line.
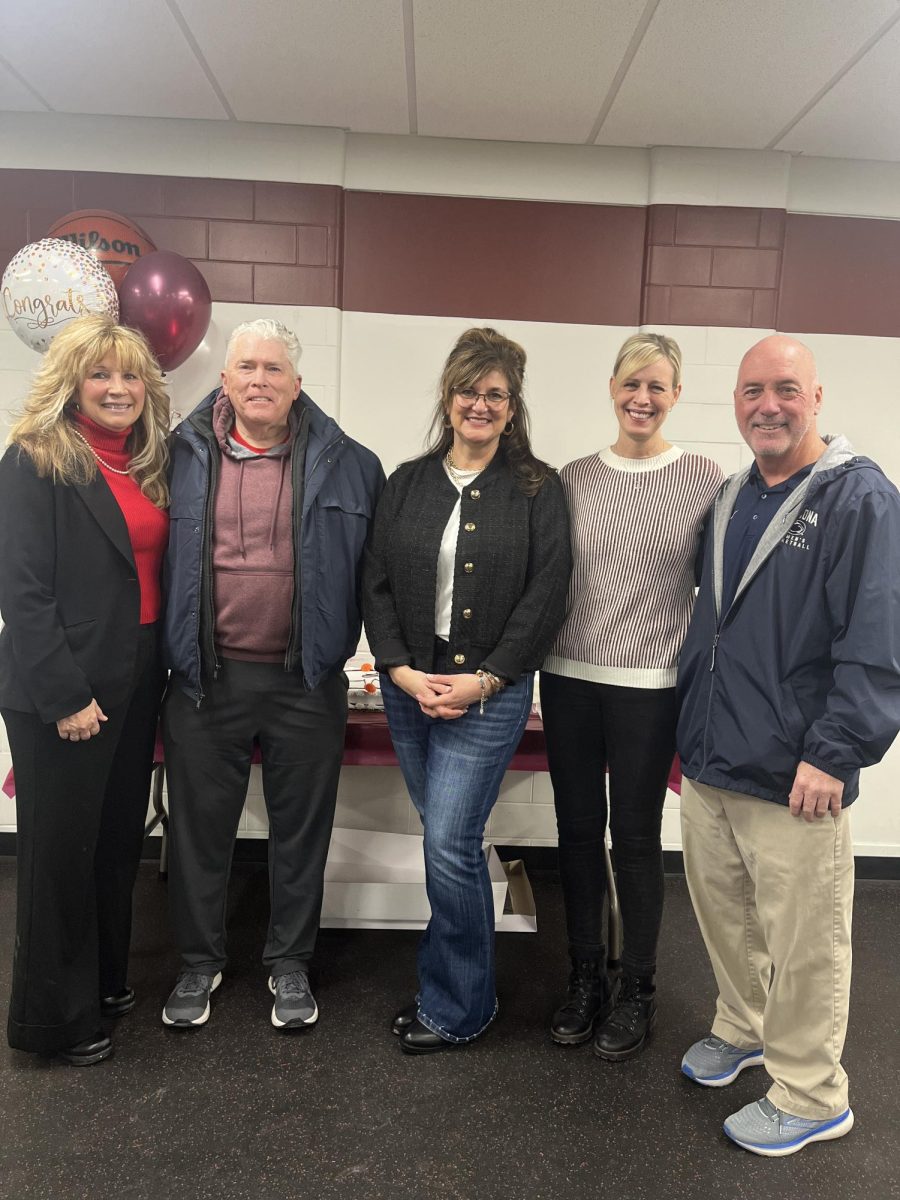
465	589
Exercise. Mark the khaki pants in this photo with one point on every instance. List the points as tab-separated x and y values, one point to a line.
773	896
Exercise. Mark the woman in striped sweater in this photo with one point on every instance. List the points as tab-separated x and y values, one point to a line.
608	688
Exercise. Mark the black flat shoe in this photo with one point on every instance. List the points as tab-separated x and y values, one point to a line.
86	1053
118	1004
404	1018
416	1039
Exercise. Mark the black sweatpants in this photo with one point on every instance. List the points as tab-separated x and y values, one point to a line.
590	727
80	812
208	752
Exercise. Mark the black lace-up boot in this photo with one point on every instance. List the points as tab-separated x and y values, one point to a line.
588	1000
625	1031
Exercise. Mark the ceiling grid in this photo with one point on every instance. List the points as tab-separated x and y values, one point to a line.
815	79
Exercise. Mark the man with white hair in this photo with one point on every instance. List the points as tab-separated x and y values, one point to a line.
789	683
270	507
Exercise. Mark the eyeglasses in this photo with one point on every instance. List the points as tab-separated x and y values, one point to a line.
493	399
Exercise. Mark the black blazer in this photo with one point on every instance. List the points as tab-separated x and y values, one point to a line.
510	579
69	593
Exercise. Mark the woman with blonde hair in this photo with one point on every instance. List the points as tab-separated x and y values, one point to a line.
464	591
608	689
83	527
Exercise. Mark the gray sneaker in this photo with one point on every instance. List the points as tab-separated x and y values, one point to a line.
189	1002
715	1062
295	1006
764	1129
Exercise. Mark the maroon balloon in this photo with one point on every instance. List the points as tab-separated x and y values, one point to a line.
167	299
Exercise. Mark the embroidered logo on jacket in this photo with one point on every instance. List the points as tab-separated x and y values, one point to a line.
796	535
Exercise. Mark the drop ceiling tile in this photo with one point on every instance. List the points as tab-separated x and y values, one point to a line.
340	63
857	118
518	70
97	57
14	95
732	74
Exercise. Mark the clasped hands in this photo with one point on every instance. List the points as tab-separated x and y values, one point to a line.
444	696
81	726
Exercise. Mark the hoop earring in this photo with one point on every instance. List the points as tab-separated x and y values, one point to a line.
446	422
509	427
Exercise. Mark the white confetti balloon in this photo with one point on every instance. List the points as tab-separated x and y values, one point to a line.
51	282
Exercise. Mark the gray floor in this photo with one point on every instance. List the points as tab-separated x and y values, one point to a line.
238	1110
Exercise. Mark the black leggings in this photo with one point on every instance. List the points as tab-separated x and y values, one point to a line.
590	727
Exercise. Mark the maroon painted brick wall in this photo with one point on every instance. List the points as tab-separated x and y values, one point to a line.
276	243
285	243
841	275
712	266
522	260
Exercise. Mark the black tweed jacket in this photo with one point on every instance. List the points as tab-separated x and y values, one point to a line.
510	580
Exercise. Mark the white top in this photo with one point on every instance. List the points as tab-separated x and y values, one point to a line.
635	524
443	599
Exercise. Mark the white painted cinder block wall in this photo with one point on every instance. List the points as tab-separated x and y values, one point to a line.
376	373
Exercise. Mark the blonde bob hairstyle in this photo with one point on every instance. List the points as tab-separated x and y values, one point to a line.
45	431
478	352
642	349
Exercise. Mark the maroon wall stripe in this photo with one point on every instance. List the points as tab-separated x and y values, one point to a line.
254	242
513	259
680	264
841	275
712	266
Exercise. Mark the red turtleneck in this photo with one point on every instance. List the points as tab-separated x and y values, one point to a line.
148	526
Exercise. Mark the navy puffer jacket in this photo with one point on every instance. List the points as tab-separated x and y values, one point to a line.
336	486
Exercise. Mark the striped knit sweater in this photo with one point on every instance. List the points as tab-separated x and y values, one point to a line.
635	526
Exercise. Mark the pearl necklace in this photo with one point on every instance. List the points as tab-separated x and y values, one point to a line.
459	475
101	461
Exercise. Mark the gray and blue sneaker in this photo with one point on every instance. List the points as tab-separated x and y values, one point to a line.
295	1006
764	1129
715	1062
188	1004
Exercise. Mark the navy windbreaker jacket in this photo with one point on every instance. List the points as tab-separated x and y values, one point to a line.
805	663
333	505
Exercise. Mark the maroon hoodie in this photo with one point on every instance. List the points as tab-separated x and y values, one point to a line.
252	546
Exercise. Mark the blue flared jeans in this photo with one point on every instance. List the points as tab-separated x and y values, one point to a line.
453	771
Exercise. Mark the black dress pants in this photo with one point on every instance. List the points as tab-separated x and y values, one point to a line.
590	727
80	812
208	752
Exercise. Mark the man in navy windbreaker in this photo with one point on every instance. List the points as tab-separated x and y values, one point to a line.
270	507
789	683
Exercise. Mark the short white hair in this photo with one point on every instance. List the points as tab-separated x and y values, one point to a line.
274	331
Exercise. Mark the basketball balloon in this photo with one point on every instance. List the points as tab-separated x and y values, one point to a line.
113	239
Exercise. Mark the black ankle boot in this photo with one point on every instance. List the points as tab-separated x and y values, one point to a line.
625	1031
588	1000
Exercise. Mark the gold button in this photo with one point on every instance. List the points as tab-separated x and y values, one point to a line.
459	659
467	614
469	526
468	568
475	494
